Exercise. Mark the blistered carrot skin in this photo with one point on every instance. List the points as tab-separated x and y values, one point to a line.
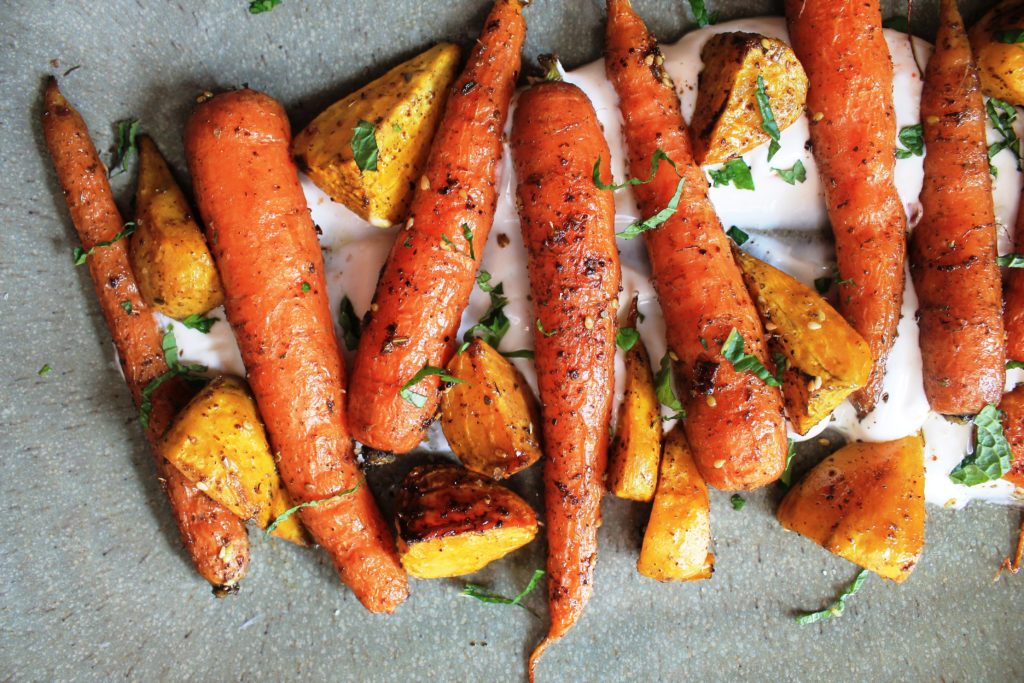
734	420
853	130
953	250
1013	312
569	230
215	538
266	248
1012	406
429	275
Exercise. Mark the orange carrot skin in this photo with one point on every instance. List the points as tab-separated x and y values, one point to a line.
739	437
215	538
953	250
569	230
266	248
1013	314
426	282
1012	406
853	130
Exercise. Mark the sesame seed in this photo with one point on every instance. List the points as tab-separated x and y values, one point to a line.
648	60
373	307
931	120
814	325
719	464
818	116
712	401
588	323
424	183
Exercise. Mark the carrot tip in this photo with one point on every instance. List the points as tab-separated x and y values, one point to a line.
535	656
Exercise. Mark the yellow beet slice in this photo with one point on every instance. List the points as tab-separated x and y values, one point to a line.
636	448
452	521
678	537
826	359
169	256
865	503
727	120
217	442
404	106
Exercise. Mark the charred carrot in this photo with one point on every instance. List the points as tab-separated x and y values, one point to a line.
734	420
1012	407
1013	314
266	248
569	229
953	250
427	280
853	130
215	538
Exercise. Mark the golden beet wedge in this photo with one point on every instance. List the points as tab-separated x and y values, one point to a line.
636	448
999	56
865	503
826	359
169	256
452	521
491	419
403	106
217	442
678	537
727	120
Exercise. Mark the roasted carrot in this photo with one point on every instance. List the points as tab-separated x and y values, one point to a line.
265	246
427	280
1013	313
215	538
568	226
734	420
953	250
853	130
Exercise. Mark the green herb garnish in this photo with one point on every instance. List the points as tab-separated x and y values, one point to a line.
364	146
642	226
467	232
663	388
735	171
787	474
738	236
837	608
1013	35
483	281
741	361
480	593
520	353
1002	116
700	13
494	324
794	174
1015	365
261	6
199	322
659	155
540	328
824	283
1011	260
737	501
396	128
80	255
351	326
309	503
306	287
912	139
991	457
420	400
169	346
45	370
125	132
768	123
626	338
127	306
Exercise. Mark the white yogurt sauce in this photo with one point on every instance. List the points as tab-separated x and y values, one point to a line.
787	223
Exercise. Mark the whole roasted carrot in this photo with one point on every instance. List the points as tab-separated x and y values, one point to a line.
1013	313
953	250
569	229
734	420
429	275
266	248
215	538
853	130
